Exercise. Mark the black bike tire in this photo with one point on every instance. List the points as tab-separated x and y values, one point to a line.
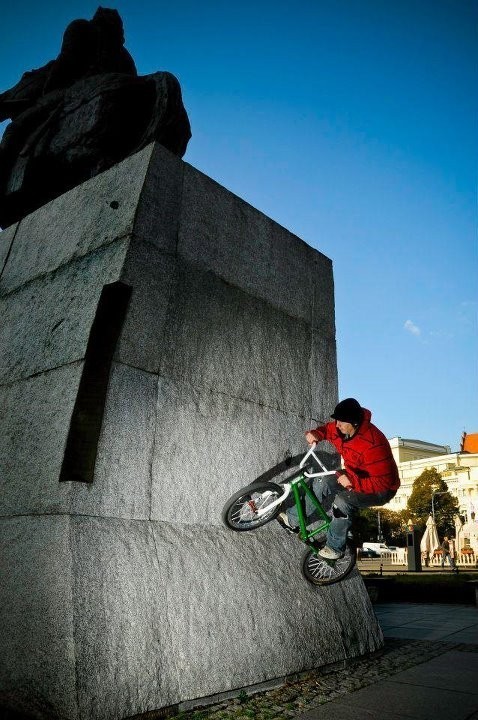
320	572
256	487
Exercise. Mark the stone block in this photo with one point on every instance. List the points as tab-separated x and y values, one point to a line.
32	441
222	338
122	482
158	212
240	613
140	196
6	239
225	355
321	287
125	659
208	445
322	376
36	622
91	215
47	322
238	243
109	618
147	637
152	275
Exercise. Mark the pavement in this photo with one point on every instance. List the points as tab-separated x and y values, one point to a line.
442	682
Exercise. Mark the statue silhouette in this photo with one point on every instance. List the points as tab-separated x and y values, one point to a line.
81	113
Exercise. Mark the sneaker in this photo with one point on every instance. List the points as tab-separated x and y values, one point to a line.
284	521
329	553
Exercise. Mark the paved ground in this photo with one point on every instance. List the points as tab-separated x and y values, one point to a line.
434	688
428	670
450	623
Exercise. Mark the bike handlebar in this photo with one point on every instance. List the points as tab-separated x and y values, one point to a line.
311	453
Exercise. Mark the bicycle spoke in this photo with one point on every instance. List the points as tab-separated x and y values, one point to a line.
323	572
320	568
245	510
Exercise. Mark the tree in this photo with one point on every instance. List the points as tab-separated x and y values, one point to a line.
365	527
419	504
392	526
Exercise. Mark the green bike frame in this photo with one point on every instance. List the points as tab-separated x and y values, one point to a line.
300	489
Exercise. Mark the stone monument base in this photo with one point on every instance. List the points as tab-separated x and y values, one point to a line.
163	344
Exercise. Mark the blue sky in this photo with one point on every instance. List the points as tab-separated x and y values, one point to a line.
354	124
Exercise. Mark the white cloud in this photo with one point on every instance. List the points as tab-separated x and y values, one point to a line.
412	328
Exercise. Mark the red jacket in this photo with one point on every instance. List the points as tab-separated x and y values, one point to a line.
367	455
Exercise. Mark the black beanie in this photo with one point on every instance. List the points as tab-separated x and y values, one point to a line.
348	410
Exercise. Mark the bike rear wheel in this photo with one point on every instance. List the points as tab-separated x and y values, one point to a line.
241	510
319	571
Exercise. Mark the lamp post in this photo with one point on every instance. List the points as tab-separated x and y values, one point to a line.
435	492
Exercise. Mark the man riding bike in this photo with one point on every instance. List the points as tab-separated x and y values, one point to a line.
369	476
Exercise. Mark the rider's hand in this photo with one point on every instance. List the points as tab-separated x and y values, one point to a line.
309	436
344	481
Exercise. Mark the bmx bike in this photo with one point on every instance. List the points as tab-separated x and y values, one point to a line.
260	502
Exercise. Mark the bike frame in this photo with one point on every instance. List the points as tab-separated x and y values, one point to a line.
300	489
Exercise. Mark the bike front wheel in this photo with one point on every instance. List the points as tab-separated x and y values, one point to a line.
241	512
319	571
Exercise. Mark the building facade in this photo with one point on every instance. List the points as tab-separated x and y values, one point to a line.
459	470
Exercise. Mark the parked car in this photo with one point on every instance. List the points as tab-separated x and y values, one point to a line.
367	553
378	547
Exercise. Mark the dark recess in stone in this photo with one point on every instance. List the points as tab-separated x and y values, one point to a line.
85	427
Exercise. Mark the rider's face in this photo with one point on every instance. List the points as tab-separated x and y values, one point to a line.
345	427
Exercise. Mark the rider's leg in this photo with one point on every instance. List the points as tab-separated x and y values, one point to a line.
347	502
324	489
338	529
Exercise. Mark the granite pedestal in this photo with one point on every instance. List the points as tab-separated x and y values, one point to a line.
162	343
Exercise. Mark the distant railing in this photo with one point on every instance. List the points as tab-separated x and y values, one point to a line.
462	559
399	557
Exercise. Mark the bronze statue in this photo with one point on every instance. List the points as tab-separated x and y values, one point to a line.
80	114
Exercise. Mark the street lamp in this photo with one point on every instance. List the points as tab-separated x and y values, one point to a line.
435	492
